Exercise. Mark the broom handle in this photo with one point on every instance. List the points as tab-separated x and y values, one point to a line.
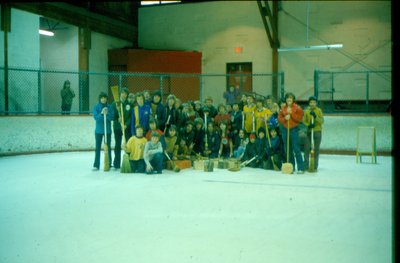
166	124
249	161
254	125
172	162
266	127
312	133
123	124
105	128
242	120
167	156
288	133
205	129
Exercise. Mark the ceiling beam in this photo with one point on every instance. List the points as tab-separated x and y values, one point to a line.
270	22
81	17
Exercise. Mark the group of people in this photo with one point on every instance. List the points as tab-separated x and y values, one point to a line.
152	132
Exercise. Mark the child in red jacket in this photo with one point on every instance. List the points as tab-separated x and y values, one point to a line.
290	116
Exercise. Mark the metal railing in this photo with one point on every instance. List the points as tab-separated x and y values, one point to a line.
37	91
353	91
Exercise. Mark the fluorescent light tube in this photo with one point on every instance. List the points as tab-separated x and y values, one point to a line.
46	33
307	48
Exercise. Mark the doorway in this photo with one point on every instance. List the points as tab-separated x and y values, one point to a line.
239	75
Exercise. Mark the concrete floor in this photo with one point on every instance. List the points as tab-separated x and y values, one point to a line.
53	208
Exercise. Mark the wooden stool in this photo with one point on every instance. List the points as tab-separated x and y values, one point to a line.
366	143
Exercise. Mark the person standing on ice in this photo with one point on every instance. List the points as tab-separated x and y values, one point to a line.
313	118
101	109
140	114
248	114
117	124
292	114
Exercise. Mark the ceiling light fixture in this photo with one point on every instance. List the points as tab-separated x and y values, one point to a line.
307	47
46	33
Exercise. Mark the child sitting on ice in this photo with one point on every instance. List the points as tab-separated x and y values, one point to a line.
135	149
153	154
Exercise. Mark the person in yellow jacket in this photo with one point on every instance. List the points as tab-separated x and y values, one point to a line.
313	118
261	115
248	115
135	149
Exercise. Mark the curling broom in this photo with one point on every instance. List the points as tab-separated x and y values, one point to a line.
174	167
126	166
312	160
287	168
243	164
114	90
106	157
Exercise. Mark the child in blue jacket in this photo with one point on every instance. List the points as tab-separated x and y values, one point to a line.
101	109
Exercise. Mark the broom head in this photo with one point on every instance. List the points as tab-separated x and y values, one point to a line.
106	160
276	168
176	168
287	168
126	166
312	162
114	90
234	169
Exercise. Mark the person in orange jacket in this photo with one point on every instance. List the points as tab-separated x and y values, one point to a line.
292	115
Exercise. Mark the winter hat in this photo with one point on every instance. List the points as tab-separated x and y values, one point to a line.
252	135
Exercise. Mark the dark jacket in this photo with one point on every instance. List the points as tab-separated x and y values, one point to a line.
213	143
250	152
199	141
126	106
158	112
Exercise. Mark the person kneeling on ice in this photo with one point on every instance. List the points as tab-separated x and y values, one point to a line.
135	148
153	154
276	151
250	151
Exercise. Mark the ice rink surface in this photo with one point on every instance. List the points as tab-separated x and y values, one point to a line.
54	208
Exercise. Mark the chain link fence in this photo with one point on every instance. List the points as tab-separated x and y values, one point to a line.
30	91
354	91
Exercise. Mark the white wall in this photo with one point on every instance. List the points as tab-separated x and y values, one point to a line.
28	49
339	133
98	62
59	53
24	35
62	53
215	28
364	29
